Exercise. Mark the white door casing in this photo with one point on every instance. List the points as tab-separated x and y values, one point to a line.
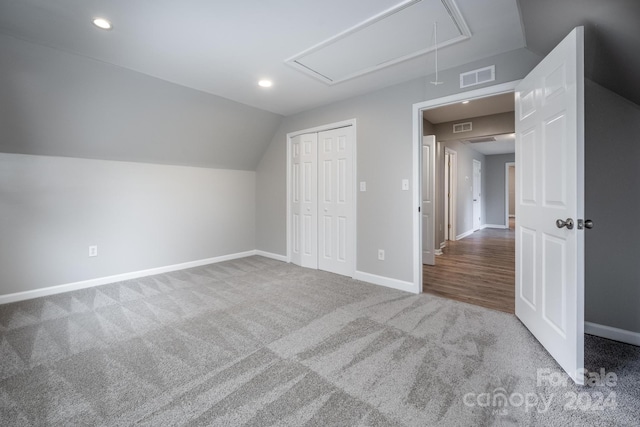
477	194
336	201
304	200
550	186
451	193
428	200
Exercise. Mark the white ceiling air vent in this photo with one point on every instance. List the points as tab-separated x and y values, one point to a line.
462	127
480	140
479	76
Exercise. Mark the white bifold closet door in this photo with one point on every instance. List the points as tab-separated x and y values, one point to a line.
323	201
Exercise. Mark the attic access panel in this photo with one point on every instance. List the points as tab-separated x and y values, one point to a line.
400	33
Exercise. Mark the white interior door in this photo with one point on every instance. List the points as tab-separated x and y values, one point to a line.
550	187
304	200
477	194
428	201
336	201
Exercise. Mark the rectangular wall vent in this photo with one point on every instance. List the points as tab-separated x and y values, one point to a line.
462	127
479	76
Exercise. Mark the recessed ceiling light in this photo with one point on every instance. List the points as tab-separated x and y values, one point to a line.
265	83
465	102
102	23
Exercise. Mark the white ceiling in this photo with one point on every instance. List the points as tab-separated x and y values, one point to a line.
225	47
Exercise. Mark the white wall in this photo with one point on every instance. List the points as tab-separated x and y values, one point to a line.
384	121
140	215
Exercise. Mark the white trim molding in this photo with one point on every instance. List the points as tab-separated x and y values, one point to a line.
385	281
611	333
271	255
438	252
503	227
465	234
58	289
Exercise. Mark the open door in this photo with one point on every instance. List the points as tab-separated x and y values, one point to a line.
550	203
428	200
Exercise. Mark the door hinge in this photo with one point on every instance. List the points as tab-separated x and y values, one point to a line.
419	209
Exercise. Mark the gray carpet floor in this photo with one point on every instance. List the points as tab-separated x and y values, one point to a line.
257	342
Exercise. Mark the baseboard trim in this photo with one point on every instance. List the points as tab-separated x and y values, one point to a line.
612	333
443	245
463	235
502	227
271	255
384	281
57	289
438	252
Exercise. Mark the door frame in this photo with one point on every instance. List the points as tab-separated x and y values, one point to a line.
354	211
475	162
507	199
508	87
451	213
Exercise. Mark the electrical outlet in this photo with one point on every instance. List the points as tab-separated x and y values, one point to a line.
405	184
93	250
381	254
363	186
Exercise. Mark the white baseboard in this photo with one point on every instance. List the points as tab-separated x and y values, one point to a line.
611	333
443	245
384	281
271	255
512	216
438	252
502	227
52	290
463	235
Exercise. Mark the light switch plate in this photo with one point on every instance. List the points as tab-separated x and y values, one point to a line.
363	186
405	184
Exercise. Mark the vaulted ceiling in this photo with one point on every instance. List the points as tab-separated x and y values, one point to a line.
225	47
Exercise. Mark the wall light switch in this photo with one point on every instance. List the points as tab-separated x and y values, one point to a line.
93	251
363	186
405	184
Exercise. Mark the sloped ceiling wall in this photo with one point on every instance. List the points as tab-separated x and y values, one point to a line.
612	37
56	103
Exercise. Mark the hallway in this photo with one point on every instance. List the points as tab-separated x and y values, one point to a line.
479	269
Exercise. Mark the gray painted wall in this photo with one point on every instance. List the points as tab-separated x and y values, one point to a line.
140	215
384	158
612	158
61	104
495	189
428	128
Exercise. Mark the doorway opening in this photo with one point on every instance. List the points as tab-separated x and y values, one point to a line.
471	240
510	194
450	195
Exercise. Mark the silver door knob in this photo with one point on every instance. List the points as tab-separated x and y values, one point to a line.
588	224
568	223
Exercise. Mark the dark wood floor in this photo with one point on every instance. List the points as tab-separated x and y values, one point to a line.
479	269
